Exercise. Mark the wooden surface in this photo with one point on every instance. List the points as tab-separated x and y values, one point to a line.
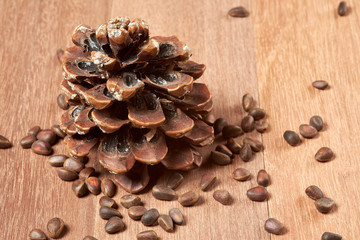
274	54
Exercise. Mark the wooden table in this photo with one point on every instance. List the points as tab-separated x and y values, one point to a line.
274	54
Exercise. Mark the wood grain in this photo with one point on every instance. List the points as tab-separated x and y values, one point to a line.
298	42
274	54
32	193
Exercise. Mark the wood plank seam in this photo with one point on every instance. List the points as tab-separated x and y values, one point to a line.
259	104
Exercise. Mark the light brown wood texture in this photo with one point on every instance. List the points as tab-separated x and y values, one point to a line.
298	42
274	54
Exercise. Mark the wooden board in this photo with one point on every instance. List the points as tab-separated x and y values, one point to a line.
274	54
297	43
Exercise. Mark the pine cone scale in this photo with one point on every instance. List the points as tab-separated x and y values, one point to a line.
82	36
150	151
78	64
103	61
135	180
179	155
177	123
175	83
97	97
145	111
191	68
171	48
67	121
68	91
82	122
198	159
115	153
198	98
147	51
106	121
102	36
80	147
199	133
125	86
206	109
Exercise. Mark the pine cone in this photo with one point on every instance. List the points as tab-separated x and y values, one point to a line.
135	96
